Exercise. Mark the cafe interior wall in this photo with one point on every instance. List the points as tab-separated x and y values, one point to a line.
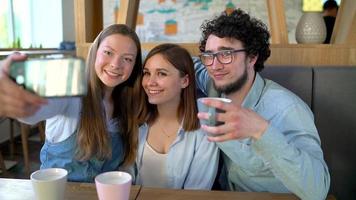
180	20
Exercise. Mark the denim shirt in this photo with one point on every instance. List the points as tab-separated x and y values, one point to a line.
62	117
288	156
192	160
62	155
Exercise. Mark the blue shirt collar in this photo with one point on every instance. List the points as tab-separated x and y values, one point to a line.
253	96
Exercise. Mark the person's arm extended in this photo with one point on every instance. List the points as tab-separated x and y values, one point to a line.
55	106
14	100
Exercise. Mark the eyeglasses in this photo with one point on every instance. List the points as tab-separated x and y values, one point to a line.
224	57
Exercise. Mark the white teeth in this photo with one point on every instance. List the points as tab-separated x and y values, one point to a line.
112	73
154	91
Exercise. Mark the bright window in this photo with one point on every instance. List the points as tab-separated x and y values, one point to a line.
315	5
30	23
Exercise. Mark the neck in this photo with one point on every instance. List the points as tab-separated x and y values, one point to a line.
167	114
239	96
107	94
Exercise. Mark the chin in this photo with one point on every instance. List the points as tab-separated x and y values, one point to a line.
152	101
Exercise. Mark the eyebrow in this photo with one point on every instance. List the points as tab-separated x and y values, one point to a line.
222	48
129	54
158	69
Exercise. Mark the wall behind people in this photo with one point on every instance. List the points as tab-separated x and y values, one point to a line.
179	21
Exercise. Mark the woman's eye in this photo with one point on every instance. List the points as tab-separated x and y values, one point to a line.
162	74
145	73
130	60
109	53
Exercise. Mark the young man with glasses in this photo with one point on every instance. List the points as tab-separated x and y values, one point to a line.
269	140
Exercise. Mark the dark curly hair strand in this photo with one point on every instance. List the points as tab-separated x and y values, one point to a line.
239	25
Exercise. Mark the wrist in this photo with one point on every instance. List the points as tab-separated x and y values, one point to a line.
261	131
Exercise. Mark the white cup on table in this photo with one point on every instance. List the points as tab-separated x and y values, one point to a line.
114	185
49	184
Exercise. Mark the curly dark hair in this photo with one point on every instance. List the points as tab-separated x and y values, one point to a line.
239	25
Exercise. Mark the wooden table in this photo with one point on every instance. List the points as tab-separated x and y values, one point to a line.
13	189
168	194
20	189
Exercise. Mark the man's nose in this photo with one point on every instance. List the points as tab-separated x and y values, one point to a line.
216	64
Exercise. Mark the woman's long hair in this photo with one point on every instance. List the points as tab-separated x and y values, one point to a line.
93	138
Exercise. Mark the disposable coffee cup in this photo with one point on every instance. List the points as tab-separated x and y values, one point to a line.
212	111
49	184
114	185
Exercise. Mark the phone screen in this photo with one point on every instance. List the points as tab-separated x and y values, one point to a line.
51	77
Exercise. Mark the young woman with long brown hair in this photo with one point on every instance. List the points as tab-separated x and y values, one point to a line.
98	132
173	152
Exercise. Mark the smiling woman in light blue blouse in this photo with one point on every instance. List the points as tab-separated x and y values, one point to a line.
173	152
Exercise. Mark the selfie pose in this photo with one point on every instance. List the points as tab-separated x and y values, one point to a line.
269	140
173	152
96	133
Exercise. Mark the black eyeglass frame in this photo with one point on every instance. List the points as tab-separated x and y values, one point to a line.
232	51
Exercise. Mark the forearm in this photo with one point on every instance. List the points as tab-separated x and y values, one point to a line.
297	163
52	108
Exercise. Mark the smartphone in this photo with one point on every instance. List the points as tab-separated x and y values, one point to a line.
51	77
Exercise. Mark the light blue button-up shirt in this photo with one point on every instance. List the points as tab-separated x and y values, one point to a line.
288	156
192	160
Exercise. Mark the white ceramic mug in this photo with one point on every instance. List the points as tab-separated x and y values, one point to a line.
114	185
49	184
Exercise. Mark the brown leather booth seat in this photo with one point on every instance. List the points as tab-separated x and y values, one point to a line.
331	94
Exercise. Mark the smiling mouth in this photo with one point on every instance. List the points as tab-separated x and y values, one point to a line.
154	91
112	74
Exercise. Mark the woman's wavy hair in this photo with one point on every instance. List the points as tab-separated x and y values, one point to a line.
239	25
93	138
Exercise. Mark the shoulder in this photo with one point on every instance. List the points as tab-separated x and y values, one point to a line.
197	137
276	99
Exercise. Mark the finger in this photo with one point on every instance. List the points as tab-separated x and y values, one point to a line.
16	92
16	107
215	130
220	138
33	99
203	115
5	64
217	104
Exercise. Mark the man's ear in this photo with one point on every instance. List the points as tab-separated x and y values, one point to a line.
251	60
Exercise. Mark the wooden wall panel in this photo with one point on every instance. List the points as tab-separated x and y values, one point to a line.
88	16
288	54
345	25
128	12
277	21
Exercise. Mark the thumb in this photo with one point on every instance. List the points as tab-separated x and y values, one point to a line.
5	64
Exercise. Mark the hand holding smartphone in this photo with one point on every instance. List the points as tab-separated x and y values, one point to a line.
51	77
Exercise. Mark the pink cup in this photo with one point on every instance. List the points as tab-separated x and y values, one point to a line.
113	185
